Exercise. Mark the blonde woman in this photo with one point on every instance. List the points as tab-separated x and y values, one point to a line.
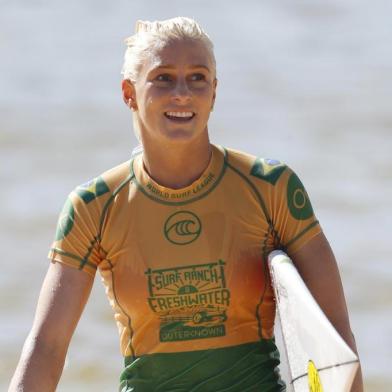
180	234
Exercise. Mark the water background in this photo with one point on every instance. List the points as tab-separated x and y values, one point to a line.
308	82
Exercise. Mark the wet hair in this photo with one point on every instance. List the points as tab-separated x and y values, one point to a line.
150	36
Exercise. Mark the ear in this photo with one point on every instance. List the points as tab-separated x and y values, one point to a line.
215	83
129	94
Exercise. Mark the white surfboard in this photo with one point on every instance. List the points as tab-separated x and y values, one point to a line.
318	359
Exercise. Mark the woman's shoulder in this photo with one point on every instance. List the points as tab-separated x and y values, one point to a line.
268	169
107	183
118	175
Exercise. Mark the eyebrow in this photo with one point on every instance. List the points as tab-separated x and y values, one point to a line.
170	66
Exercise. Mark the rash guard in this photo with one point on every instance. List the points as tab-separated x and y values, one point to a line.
185	270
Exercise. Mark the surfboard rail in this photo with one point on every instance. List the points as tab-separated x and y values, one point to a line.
318	358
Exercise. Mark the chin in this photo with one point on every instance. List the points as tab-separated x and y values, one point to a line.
180	135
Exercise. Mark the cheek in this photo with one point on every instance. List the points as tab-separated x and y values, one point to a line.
154	102
147	106
207	101
210	95
203	96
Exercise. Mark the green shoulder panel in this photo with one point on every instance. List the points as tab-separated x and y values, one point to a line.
66	220
297	199
92	189
268	170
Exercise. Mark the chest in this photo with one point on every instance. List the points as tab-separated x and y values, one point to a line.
226	226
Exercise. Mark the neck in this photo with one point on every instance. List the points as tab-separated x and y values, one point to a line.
174	164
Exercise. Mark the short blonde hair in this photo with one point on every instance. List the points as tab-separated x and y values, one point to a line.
154	35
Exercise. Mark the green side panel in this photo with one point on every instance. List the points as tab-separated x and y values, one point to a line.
66	220
268	170
101	188
92	189
86	195
297	199
244	368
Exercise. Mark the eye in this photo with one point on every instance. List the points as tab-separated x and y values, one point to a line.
163	78
197	77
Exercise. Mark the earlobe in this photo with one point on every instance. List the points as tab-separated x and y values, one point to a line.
131	104
128	93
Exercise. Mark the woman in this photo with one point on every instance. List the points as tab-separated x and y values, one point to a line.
180	235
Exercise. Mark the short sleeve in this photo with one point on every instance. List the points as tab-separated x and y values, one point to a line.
76	242
292	213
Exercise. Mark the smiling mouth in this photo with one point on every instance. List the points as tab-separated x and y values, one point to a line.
180	116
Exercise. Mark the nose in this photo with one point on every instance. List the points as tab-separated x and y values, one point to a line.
181	92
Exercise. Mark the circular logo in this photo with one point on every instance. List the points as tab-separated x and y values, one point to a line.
297	199
314	378
183	227
66	220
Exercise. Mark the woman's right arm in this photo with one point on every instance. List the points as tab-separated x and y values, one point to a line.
63	296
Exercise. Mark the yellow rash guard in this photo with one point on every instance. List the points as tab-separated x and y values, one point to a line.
185	270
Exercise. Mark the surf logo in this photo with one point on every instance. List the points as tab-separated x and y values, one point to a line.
190	301
297	199
314	378
182	227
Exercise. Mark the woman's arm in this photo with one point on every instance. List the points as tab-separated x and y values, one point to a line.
63	296
316	264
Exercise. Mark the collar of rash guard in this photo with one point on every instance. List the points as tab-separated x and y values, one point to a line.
195	191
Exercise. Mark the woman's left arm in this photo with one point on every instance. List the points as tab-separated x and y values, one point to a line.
317	265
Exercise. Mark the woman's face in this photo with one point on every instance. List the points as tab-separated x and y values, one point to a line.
175	92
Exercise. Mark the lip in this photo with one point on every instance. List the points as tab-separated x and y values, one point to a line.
180	119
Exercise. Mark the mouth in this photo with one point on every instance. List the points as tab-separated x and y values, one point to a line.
181	117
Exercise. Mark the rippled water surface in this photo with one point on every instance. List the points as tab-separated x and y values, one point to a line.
308	82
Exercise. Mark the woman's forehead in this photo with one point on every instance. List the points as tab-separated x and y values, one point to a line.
181	52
